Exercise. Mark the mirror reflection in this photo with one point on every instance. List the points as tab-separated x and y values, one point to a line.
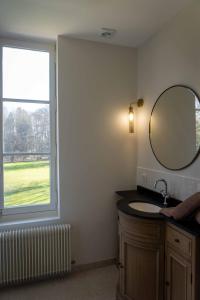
174	128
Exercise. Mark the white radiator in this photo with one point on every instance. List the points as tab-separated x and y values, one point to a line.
37	252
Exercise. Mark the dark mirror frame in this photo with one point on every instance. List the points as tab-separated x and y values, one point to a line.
198	152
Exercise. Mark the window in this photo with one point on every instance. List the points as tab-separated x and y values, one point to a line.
28	134
197	114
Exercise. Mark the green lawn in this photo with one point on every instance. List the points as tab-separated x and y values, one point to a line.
26	183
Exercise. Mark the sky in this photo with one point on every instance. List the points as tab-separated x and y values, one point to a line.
25	74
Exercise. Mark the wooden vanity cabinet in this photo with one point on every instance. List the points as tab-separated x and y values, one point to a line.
178	277
182	269
141	258
157	261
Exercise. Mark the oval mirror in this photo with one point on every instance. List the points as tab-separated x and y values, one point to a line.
174	128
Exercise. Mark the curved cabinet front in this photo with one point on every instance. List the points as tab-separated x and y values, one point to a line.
141	258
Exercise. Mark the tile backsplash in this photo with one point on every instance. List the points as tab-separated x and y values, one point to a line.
179	187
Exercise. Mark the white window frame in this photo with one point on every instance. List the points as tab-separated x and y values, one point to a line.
197	109
50	48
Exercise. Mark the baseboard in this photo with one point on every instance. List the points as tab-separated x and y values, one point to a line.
94	265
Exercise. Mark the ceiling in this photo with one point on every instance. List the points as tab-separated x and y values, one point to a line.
134	20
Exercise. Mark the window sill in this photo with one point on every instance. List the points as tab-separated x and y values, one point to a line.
32	219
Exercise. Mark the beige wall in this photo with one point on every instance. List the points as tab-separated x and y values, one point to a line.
171	57
96	82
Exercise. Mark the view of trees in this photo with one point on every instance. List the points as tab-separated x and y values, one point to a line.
26	131
198	128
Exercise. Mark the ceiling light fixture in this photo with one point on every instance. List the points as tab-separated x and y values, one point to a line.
107	32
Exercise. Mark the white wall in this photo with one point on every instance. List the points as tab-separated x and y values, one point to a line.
96	83
171	57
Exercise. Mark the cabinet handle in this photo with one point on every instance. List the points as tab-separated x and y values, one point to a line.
167	283
119	265
177	240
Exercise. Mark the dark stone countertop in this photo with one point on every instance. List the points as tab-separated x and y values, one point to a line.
145	195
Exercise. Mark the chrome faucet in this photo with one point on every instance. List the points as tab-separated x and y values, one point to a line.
164	192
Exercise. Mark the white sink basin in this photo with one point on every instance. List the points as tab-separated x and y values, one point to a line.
145	207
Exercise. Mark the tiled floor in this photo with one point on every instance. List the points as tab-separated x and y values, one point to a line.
96	284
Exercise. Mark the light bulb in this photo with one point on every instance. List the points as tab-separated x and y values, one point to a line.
131	119
131	116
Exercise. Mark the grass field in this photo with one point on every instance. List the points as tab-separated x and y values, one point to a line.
26	183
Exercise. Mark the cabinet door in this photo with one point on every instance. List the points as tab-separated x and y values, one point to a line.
141	272
178	276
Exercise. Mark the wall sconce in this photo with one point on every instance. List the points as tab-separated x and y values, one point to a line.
139	103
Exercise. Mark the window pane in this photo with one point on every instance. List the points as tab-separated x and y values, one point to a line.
25	74
197	103
26	127
26	181
197	129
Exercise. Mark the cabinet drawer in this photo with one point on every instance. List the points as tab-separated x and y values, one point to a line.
142	228
179	241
